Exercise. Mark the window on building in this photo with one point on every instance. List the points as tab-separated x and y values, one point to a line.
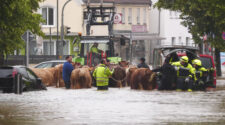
173	40
130	16
180	40
187	41
48	48
48	16
144	16
138	15
123	15
66	48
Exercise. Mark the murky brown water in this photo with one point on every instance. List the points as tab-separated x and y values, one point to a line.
116	106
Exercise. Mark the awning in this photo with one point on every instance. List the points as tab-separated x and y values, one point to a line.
140	36
95	39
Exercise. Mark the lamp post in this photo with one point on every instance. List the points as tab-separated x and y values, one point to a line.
62	21
57	41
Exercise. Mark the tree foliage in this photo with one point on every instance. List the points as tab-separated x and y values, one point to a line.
202	17
17	16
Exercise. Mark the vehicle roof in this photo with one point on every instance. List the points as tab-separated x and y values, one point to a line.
16	66
177	47
55	61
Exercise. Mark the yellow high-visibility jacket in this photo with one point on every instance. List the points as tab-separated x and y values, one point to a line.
200	72
101	74
94	50
189	66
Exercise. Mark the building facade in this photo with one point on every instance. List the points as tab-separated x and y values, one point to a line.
167	24
131	31
73	18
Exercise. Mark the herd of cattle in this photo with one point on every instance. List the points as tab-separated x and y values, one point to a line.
81	77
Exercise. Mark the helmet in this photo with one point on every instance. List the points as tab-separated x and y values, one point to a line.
197	62
184	59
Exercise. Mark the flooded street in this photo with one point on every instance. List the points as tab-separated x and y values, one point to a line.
58	106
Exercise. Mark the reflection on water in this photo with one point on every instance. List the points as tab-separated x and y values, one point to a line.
116	106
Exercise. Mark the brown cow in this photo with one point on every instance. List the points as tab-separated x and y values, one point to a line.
60	82
143	79
47	77
81	78
118	78
124	64
129	73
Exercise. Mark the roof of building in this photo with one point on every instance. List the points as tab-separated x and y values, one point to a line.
121	1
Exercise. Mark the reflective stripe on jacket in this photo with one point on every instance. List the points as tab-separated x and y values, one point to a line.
101	74
189	67
199	72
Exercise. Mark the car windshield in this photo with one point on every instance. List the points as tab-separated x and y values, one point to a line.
206	62
44	65
5	72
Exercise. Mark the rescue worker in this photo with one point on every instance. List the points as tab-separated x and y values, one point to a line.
185	74
96	54
142	63
201	74
95	50
67	69
166	76
102	74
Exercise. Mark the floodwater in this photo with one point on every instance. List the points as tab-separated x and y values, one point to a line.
58	106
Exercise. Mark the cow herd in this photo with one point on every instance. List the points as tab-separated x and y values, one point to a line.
81	77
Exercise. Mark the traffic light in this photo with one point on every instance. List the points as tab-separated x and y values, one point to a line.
79	34
68	30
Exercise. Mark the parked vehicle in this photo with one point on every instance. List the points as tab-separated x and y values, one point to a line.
30	81
208	63
161	53
49	64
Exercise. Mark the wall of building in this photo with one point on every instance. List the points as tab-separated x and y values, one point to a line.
73	15
170	26
126	25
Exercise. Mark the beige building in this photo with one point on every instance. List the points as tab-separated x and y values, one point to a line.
130	31
73	18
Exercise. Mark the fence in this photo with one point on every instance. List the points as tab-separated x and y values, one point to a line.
33	59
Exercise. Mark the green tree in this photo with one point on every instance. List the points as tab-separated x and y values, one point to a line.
201	17
17	16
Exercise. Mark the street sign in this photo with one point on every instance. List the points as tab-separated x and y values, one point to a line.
118	18
139	28
27	36
223	35
24	36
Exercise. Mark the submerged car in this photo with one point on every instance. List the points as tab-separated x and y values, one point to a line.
29	80
49	64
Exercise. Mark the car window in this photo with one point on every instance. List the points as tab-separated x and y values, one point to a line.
44	65
30	74
206	62
5	73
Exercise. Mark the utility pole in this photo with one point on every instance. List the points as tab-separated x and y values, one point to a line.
62	21
131	47
57	41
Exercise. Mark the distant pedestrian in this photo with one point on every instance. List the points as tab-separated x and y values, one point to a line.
142	63
67	69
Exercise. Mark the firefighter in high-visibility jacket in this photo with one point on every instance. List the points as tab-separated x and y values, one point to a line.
201	74
102	74
185	74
